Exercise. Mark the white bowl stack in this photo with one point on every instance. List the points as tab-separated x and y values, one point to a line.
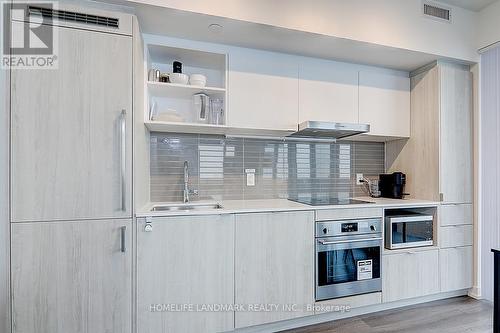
178	78
198	80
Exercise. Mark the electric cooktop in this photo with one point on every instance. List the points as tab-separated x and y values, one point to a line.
326	201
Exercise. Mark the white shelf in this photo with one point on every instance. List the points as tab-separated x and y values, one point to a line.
194	128
174	90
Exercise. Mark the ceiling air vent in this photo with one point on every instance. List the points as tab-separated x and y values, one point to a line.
64	15
437	12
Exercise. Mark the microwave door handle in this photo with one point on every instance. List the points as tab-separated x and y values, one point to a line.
324	242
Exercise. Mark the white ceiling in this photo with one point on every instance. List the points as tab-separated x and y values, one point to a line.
475	5
174	23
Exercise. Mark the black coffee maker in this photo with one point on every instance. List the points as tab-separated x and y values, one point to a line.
392	185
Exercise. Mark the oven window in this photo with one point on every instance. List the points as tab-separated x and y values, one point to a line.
340	266
411	232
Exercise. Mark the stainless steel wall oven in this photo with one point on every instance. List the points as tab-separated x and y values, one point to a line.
348	257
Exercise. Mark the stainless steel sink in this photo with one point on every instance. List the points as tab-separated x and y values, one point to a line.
189	206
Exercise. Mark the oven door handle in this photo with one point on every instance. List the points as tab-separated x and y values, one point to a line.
324	242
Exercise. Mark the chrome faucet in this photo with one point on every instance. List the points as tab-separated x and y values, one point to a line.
187	191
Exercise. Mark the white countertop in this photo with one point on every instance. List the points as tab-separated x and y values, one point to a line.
276	205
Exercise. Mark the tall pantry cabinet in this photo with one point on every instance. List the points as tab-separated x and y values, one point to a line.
438	161
71	176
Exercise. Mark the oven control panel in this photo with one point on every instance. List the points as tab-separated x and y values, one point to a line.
348	227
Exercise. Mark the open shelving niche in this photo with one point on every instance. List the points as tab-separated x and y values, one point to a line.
174	102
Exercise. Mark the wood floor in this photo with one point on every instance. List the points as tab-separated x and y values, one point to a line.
455	315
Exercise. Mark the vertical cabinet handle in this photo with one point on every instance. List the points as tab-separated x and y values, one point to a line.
123	239
123	159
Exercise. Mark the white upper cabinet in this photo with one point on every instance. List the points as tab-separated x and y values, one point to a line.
384	104
328	91
263	90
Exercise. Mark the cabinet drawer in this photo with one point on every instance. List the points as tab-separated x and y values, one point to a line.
410	274
345	213
457	235
456	267
352	302
455	214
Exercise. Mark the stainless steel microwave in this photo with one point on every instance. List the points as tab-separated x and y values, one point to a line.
408	229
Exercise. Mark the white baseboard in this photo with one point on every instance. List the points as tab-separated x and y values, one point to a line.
325	317
475	292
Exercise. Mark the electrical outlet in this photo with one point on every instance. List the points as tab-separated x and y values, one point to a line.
359	179
250	177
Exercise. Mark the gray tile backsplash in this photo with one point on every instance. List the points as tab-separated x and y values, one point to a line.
282	169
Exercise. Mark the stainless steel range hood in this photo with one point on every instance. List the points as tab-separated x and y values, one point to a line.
330	130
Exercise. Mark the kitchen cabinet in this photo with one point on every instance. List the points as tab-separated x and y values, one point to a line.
458	214
328	91
384	103
455	162
456	235
263	91
274	264
185	261
456	268
409	274
71	131
437	158
72	276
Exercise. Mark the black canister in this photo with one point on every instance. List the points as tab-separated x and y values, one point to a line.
177	67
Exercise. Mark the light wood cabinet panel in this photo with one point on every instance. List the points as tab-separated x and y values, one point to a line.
418	157
66	131
457	235
185	261
456	175
328	91
71	277
384	103
437	158
456	268
353	302
342	214
459	214
410	274
263	91
274	264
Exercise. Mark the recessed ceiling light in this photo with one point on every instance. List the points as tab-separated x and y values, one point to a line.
215	28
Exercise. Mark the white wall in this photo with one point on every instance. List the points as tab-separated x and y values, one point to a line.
489	25
392	23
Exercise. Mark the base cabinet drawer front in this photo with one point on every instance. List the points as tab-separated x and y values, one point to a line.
72	276
186	261
410	274
347	303
455	214
456	268
453	236
346	213
274	265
